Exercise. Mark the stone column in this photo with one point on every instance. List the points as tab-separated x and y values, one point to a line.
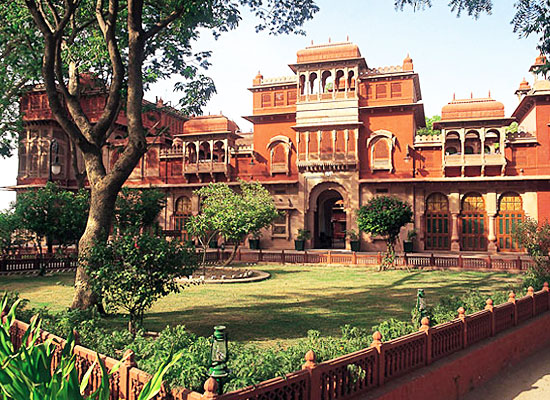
491	207
307	145
454	208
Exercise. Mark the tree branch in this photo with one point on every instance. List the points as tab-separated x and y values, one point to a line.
164	23
112	106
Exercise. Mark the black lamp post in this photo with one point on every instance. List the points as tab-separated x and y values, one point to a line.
55	167
219	357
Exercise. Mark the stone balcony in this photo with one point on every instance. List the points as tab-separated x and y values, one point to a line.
327	162
207	167
474	160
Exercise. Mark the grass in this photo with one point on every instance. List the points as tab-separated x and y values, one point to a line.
296	299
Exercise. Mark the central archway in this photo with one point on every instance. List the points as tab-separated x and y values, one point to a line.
330	221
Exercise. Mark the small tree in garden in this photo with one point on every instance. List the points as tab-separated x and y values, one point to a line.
535	238
54	214
131	271
201	227
234	214
385	216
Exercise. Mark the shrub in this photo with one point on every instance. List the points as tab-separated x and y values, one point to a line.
535	238
385	216
132	271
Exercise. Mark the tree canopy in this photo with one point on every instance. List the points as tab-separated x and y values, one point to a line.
385	216
232	214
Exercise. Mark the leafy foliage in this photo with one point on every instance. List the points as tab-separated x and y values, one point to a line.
26	372
53	213
429	130
232	214
131	271
10	232
138	209
385	216
535	238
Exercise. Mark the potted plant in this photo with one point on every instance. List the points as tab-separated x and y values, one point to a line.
300	242
408	245
354	242
254	240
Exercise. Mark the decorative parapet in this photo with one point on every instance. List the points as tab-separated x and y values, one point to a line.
428	140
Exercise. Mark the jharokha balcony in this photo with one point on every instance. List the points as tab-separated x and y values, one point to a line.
206	166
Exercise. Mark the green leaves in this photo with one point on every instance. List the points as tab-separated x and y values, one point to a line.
137	209
233	214
132	270
385	216
54	213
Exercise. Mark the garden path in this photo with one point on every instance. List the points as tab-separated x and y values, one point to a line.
527	380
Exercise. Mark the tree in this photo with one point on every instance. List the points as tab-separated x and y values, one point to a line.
535	238
429	129
385	216
201	227
53	213
233	214
133	270
137	209
531	17
127	44
10	235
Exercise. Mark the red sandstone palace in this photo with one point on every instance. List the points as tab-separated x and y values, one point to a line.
328	138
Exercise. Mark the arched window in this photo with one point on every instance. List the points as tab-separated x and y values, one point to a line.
313	83
351	80
279	150
327	82
380	153
182	211
510	214
472	143
190	154
219	151
339	81
438	235
473	217
302	84
204	151
492	142
279	154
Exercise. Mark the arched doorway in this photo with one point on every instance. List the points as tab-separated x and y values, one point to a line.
473	217
510	213
330	221
438	235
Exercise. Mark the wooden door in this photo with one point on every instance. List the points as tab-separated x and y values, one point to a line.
473	223
509	215
438	235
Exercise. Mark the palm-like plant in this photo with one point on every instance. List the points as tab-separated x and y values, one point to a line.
26	373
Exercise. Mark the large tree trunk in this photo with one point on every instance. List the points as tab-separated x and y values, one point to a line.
102	204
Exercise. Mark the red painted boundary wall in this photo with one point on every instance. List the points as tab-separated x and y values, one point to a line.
452	378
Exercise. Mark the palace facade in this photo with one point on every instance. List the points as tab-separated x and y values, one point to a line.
326	139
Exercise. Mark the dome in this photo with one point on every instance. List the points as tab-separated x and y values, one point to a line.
328	52
472	109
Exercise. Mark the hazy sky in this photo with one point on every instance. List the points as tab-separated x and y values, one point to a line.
450	54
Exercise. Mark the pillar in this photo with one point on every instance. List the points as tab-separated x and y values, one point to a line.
491	207
454	208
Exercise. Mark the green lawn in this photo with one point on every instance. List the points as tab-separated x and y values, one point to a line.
296	298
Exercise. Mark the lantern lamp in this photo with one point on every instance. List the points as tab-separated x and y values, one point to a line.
219	357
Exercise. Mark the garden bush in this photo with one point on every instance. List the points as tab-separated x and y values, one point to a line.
250	363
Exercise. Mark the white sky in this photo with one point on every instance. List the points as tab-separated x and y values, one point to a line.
450	54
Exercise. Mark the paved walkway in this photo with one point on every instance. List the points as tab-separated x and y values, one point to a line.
526	380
